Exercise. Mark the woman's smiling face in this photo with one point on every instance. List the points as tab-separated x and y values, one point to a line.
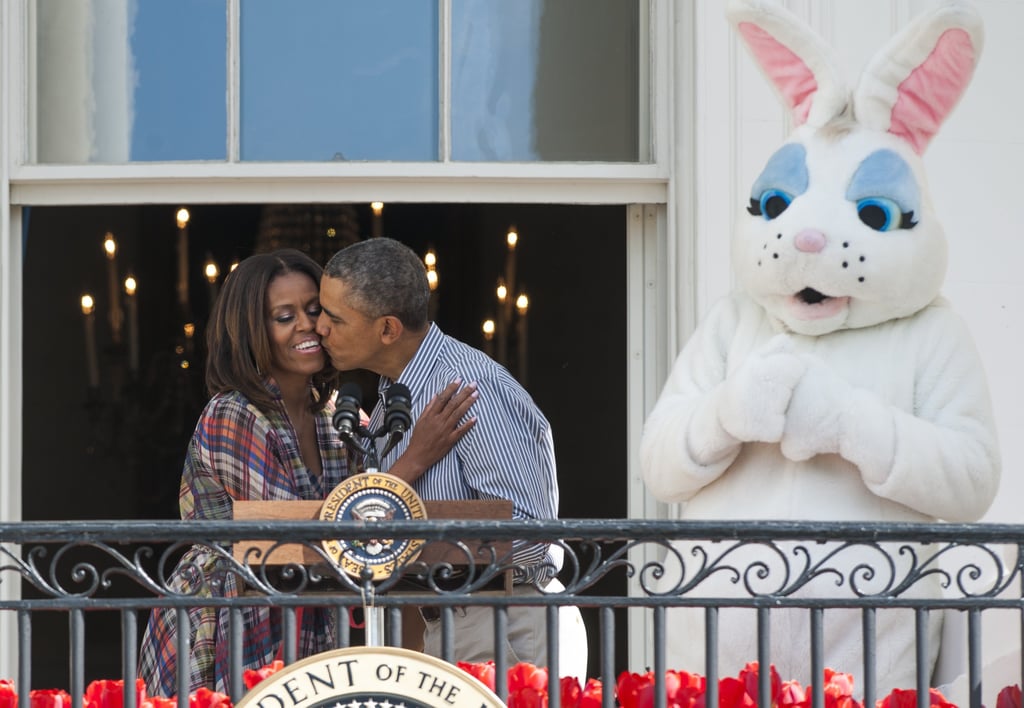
292	307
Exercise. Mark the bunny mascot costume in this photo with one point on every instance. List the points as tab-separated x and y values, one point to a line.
835	383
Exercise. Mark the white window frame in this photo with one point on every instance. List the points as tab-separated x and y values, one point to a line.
660	223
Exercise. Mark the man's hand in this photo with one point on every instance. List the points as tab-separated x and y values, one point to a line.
437	430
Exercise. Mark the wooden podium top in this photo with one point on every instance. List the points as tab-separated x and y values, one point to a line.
431	553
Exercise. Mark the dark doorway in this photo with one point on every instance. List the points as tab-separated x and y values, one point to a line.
115	451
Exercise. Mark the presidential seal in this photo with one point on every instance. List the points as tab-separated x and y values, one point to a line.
370	677
371	498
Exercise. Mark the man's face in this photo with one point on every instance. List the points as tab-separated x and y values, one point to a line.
352	339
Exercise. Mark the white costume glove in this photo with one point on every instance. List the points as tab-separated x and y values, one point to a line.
755	396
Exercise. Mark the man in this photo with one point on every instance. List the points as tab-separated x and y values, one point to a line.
374	296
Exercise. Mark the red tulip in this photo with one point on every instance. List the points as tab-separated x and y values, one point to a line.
629	686
732	693
524	675
482	671
1009	697
570	692
684	690
749	678
527	697
839	690
792	695
908	699
251	677
527	686
49	698
8	696
159	702
107	693
205	698
593	695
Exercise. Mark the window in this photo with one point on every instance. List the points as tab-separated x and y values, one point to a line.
412	80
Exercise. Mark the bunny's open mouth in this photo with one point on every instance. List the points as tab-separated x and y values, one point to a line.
810	304
810	296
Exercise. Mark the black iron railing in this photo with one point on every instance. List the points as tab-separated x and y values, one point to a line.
82	567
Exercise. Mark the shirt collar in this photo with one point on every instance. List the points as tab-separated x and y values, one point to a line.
418	368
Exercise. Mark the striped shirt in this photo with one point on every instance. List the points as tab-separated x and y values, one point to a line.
237	452
508	454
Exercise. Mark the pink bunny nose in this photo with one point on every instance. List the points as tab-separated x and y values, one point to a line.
809	241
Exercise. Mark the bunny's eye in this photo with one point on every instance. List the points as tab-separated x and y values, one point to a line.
772	203
883	214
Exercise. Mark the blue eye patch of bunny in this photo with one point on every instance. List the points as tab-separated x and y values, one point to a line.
883	188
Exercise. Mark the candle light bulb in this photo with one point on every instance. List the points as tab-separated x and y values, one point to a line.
190	330
91	361
522	303
430	260
512	238
182	217
234	264
502	292
488	329
211	271
110	245
432	279
377	207
130	286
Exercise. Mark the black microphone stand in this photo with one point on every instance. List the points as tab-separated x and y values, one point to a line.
396	422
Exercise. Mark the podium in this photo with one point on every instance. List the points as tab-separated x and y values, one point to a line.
430	554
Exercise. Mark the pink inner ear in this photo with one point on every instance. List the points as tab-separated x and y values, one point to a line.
931	91
791	76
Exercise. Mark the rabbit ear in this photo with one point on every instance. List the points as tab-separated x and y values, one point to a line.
913	83
794	58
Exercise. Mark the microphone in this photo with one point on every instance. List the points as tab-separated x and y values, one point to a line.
346	413
397	409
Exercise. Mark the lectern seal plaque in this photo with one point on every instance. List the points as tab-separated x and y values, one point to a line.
370	677
370	498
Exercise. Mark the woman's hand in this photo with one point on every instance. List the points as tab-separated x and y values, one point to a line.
437	430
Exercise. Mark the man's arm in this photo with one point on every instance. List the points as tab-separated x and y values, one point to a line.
510	455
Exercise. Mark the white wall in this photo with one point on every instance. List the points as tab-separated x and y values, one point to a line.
975	170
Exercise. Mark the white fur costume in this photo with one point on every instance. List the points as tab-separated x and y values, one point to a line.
836	384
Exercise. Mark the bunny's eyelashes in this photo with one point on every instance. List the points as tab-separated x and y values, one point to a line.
882	188
883	214
879	213
770	204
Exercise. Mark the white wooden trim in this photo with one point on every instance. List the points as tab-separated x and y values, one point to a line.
10	343
308	183
650	277
317	170
234	99
10	416
444	85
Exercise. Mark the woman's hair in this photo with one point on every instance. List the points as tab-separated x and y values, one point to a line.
384	277
238	348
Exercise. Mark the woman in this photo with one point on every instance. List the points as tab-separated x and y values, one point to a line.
266	434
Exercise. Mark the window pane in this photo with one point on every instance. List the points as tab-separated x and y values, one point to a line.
324	80
545	80
130	80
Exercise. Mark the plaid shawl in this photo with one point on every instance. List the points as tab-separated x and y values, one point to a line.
237	452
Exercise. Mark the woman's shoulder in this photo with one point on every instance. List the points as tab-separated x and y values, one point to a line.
233	408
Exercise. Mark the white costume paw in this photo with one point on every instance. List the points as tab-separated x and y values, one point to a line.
755	396
814	420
